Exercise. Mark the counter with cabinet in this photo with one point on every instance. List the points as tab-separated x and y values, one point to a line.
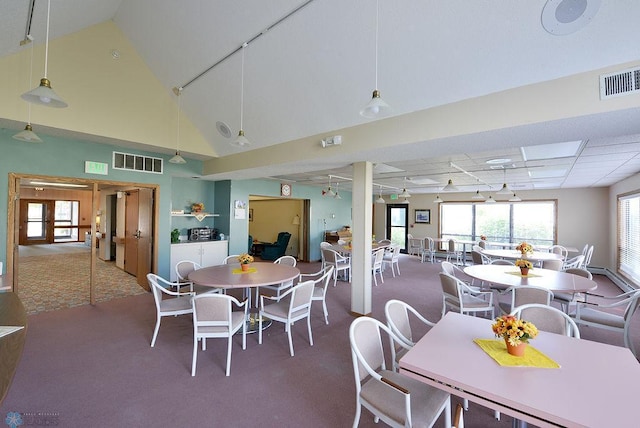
205	253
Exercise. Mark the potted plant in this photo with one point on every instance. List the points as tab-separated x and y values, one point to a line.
245	260
515	332
175	236
524	266
524	248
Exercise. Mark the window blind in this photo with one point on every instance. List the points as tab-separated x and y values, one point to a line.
629	237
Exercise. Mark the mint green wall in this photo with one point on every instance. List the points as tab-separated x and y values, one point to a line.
326	213
184	192
65	158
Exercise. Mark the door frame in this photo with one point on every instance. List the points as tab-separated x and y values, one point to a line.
406	221
13	206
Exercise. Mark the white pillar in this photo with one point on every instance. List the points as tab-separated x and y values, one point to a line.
361	208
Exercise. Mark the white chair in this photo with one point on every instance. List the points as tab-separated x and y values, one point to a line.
384	242
396	313
553	264
279	288
547	318
501	262
525	294
321	283
566	299
458	296
453	251
396	399
574	262
429	250
593	315
376	265
178	304
293	305
340	263
416	246
560	250
183	269
392	258
587	257
231	259
214	317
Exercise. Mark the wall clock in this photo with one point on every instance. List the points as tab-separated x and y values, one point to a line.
285	189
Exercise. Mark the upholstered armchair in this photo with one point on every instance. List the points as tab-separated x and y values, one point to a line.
278	248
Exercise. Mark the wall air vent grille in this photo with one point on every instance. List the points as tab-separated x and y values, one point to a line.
620	83
139	163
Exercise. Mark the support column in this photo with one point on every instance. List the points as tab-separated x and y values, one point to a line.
361	231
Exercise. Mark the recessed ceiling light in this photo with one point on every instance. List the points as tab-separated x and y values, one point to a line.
498	161
551	151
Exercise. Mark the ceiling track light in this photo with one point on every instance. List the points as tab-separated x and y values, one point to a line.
241	140
376	107
44	94
27	135
177	158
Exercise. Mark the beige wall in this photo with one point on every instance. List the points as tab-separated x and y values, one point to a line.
274	216
583	217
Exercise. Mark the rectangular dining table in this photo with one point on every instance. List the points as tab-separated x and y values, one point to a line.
596	385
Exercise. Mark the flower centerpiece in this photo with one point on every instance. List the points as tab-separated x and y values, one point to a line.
197	207
515	332
245	259
524	266
524	248
483	237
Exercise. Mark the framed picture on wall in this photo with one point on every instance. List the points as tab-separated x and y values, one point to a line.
423	216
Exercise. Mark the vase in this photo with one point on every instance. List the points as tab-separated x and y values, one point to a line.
524	271
245	267
516	351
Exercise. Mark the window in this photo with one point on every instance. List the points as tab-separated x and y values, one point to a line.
629	236
534	222
66	214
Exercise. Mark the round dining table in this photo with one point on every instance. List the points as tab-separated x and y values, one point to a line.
536	256
504	276
231	276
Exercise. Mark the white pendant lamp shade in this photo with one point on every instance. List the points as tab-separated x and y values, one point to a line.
478	196
177	158
27	135
404	194
450	187
241	140
490	200
44	94
376	107
504	191
515	198
437	200
380	200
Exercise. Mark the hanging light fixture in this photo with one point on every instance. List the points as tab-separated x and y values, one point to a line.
328	192
337	195
404	193
504	190
380	199
43	94
478	196
437	200
242	141
27	134
490	200
177	158
450	187
376	107
515	198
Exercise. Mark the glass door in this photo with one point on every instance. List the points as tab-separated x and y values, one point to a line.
35	227
397	220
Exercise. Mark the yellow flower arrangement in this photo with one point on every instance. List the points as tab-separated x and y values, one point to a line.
197	207
483	237
514	330
524	264
245	258
524	248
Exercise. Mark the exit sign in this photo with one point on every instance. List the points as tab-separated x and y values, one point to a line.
91	167
394	196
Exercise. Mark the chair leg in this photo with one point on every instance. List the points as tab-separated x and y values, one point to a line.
326	312
290	340
195	356
309	328
229	355
259	328
155	332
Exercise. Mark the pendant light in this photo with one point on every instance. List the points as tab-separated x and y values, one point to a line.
337	195
376	107
43	94
437	200
478	196
328	192
490	200
242	141
515	198
504	190
404	193
450	187
177	158
380	199
27	134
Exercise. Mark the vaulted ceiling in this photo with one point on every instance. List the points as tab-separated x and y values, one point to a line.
310	67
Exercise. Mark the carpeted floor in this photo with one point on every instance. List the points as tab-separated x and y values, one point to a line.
59	278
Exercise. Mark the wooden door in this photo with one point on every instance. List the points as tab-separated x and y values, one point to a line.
138	234
36	226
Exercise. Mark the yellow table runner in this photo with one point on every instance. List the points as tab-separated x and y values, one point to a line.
239	271
529	275
497	350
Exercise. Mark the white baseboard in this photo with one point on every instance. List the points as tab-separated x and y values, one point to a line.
613	276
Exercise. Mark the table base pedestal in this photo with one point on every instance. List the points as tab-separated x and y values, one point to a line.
253	323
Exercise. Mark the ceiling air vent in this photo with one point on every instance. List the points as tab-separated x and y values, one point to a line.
620	83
